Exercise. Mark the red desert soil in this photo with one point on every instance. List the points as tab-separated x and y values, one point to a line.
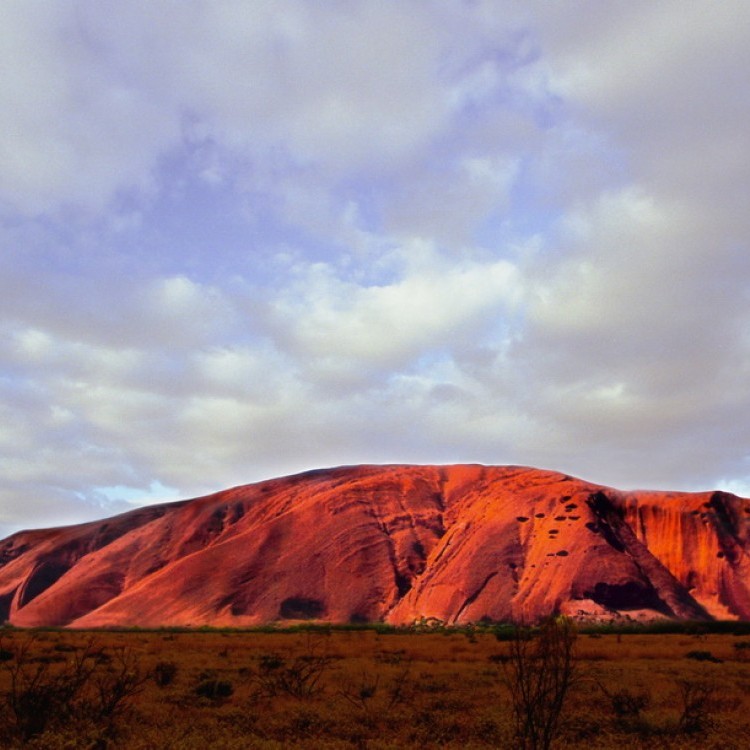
392	543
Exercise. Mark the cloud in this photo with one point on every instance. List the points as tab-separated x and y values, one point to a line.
665	81
75	129
431	305
236	243
96	94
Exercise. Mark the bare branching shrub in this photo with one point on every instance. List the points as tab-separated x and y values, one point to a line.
698	704
539	672
301	677
89	687
372	696
627	706
113	687
361	693
41	694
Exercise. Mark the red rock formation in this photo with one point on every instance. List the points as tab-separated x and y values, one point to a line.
393	543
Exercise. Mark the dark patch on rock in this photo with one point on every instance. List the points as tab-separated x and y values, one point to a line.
43	576
299	608
628	595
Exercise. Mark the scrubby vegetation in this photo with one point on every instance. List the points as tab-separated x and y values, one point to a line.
539	671
427	687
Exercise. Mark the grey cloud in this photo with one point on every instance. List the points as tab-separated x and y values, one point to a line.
100	91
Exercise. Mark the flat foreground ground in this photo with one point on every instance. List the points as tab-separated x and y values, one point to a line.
361	689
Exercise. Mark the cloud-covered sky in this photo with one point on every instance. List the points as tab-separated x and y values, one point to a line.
242	238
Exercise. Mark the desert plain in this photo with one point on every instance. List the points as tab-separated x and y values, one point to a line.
371	687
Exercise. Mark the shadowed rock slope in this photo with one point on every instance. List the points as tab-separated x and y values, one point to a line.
392	543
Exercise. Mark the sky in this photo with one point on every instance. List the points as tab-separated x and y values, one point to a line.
245	238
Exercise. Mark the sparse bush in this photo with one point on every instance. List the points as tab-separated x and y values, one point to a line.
300	678
470	634
38	695
626	706
114	686
742	649
698	703
702	656
64	647
368	695
165	673
504	632
361	693
214	689
626	703
539	672
45	694
498	658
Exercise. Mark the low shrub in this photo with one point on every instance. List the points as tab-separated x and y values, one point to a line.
214	689
300	678
702	656
77	693
698	704
165	673
627	705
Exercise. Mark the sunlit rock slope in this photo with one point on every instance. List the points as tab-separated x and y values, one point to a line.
394	543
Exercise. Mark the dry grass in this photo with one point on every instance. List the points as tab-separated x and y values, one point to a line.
378	691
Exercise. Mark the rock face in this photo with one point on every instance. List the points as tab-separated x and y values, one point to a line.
393	543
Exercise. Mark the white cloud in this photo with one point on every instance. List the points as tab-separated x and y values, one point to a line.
238	242
665	80
95	93
432	305
74	129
